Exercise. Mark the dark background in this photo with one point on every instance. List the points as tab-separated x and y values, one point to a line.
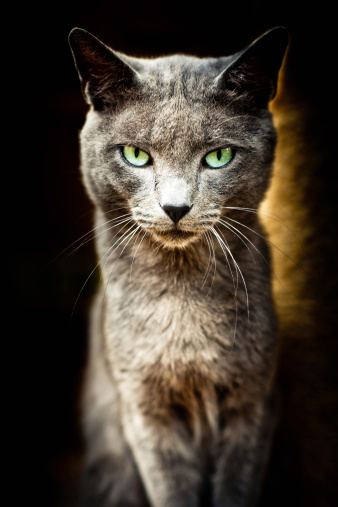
47	210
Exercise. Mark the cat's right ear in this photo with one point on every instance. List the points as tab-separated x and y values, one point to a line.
103	74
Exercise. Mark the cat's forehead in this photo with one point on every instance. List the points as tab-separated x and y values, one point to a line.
165	126
176	96
176	110
168	66
177	126
170	75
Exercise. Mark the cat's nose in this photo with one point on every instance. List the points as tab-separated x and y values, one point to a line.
176	212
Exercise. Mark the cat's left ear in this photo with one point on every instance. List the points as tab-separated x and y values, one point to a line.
252	75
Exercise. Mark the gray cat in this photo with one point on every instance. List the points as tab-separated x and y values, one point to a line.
176	155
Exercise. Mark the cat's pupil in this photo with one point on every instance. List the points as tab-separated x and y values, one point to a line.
219	154
137	152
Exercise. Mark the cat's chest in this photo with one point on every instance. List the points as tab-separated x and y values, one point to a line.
177	325
178	355
175	345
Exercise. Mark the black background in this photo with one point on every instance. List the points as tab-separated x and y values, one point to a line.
46	208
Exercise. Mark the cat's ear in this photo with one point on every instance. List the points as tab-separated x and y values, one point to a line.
103	74
252	75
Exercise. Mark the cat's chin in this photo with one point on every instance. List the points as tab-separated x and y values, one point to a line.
175	238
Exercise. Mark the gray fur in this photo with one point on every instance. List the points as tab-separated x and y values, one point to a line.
178	405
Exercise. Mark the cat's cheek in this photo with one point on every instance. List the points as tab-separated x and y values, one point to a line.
218	184
126	180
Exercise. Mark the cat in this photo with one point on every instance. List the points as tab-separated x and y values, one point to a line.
179	403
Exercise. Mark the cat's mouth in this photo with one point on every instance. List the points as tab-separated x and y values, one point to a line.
175	237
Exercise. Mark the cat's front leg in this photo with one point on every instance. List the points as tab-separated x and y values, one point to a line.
110	477
242	456
166	461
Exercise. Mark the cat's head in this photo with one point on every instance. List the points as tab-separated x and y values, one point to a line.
175	140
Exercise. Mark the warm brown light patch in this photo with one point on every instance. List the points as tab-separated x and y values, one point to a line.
181	397
305	290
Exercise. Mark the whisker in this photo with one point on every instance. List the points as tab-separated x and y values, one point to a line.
219	239
265	213
102	232
232	228
239	116
209	260
229	265
92	231
114	208
222	241
118	242
97	227
94	269
130	236
238	269
138	246
212	259
263	237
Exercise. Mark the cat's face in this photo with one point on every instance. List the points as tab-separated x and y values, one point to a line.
175	140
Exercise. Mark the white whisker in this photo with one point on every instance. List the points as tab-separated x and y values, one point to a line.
138	246
212	259
268	214
96	266
88	239
263	237
121	240
238	269
232	229
220	241
105	230
235	284
118	243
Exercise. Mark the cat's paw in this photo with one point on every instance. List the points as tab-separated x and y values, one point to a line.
108	484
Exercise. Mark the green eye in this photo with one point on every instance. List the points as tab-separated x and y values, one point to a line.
135	156
219	158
